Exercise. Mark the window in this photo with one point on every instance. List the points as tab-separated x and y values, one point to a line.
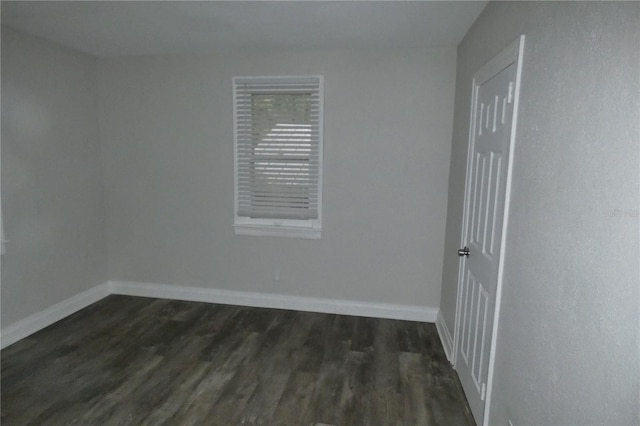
278	156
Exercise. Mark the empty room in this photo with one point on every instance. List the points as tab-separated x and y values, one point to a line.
320	213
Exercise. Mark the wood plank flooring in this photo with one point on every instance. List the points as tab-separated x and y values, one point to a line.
140	361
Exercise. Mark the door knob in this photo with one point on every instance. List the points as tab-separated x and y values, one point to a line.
464	252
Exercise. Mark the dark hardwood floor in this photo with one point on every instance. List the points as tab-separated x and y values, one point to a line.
139	361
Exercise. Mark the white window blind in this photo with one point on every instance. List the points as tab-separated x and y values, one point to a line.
278	142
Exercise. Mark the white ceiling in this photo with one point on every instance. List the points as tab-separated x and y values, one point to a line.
110	28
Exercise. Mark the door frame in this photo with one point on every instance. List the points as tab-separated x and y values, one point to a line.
512	54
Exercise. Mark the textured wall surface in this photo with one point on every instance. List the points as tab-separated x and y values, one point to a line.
52	195
568	341
167	135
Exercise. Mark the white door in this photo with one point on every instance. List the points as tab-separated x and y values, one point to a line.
488	174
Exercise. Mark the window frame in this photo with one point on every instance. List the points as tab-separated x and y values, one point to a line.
295	228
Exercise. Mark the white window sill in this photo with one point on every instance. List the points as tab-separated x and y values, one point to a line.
278	231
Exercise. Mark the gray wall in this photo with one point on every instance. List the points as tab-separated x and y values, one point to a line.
568	342
52	195
167	136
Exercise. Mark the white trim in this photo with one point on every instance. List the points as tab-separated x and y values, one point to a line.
36	322
511	54
445	336
516	53
277	231
276	301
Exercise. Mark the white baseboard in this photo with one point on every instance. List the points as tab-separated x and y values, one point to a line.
36	322
445	336
276	301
